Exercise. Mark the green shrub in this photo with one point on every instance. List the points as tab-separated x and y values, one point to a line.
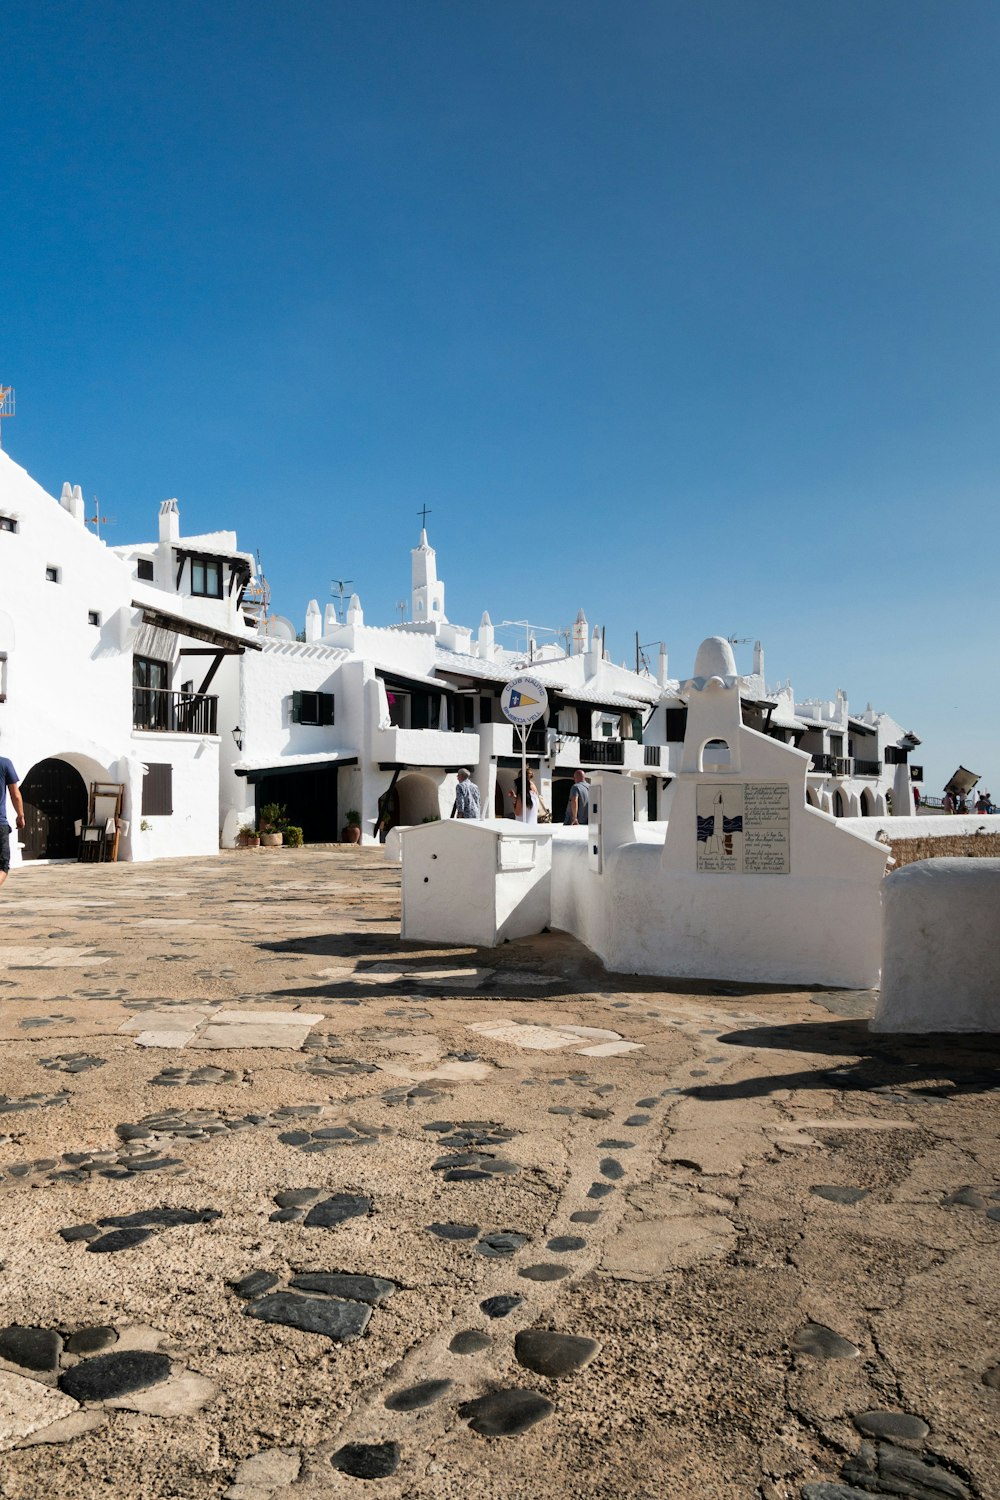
294	838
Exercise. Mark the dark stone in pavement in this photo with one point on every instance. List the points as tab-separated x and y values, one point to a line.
367	1460
991	1377
79	1232
553	1354
898	1472
897	1425
600	1189
563	1243
416	1396
254	1284
163	1218
505	1413
544	1271
835	1194
454	1231
294	1137
499	1307
31	1348
469	1341
91	1340
333	1211
111	1375
119	1239
966	1197
501	1245
337	1320
616	1145
297	1197
825	1491
585	1216
822	1343
611	1169
372	1289
635	1120
648	1103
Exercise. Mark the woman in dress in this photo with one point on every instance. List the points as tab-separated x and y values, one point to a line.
526	812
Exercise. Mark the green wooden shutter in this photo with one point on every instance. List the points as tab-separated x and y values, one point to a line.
296	708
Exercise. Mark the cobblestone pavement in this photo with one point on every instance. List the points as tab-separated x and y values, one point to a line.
295	1210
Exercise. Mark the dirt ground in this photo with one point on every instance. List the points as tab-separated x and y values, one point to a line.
770	1236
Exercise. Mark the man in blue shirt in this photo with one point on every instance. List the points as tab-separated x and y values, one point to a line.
466	803
8	782
578	806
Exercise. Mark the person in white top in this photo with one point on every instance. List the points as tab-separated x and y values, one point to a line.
526	810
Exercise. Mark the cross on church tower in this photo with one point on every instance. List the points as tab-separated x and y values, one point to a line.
423	513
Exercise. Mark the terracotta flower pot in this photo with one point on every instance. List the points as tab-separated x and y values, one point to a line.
351	834
248	841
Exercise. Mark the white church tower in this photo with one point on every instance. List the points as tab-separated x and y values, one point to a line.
428	590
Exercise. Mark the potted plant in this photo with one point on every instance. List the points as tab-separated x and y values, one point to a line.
247	837
352	831
273	817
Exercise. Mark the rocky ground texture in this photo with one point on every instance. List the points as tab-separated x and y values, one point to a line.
294	1210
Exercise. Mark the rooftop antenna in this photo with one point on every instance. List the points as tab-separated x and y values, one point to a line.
641	659
339	587
401	606
97	520
738	640
531	630
6	405
256	601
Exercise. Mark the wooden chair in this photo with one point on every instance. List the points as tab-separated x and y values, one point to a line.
100	834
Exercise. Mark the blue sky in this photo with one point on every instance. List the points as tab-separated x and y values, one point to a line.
685	312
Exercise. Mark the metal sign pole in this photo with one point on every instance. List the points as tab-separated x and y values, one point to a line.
523	728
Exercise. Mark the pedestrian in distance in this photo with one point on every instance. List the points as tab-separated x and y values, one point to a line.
8	784
526	808
466	804
578	807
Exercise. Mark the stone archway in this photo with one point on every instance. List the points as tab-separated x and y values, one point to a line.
55	798
418	799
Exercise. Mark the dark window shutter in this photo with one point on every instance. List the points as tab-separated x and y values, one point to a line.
326	708
158	790
486	709
296	708
676	724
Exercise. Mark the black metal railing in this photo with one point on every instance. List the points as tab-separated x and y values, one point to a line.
831	765
867	767
602	752
651	755
174	713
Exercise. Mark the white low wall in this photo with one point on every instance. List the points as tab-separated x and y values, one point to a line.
958	825
940	970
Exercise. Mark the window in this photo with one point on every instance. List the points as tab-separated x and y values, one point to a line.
93	617
312	708
676	725
485	709
206	577
144	568
150	696
52	575
158	791
7	523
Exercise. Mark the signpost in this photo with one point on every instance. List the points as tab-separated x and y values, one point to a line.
523	702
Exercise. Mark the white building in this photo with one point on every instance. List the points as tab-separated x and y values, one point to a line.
103	672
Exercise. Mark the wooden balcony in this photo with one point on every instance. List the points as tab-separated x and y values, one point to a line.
167	712
602	752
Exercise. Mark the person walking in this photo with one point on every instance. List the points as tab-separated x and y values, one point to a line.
8	783
578	807
466	804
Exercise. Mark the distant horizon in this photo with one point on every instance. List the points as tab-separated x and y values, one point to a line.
685	315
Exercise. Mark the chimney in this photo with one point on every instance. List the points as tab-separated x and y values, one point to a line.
661	665
355	614
170	521
579	644
485	637
313	622
71	500
758	658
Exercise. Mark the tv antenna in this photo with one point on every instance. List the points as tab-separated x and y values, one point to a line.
530	631
738	640
256	600
338	588
97	520
401	606
6	405
641	659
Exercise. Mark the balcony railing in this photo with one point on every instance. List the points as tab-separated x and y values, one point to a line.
174	713
651	755
867	767
602	752
831	765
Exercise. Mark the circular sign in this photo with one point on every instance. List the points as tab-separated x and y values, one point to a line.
524	700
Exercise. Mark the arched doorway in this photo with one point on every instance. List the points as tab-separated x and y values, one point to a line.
867	803
55	798
838	805
418	800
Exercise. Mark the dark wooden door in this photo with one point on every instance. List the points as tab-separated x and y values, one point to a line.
55	797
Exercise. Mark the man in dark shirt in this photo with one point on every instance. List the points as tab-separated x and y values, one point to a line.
577	808
8	782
